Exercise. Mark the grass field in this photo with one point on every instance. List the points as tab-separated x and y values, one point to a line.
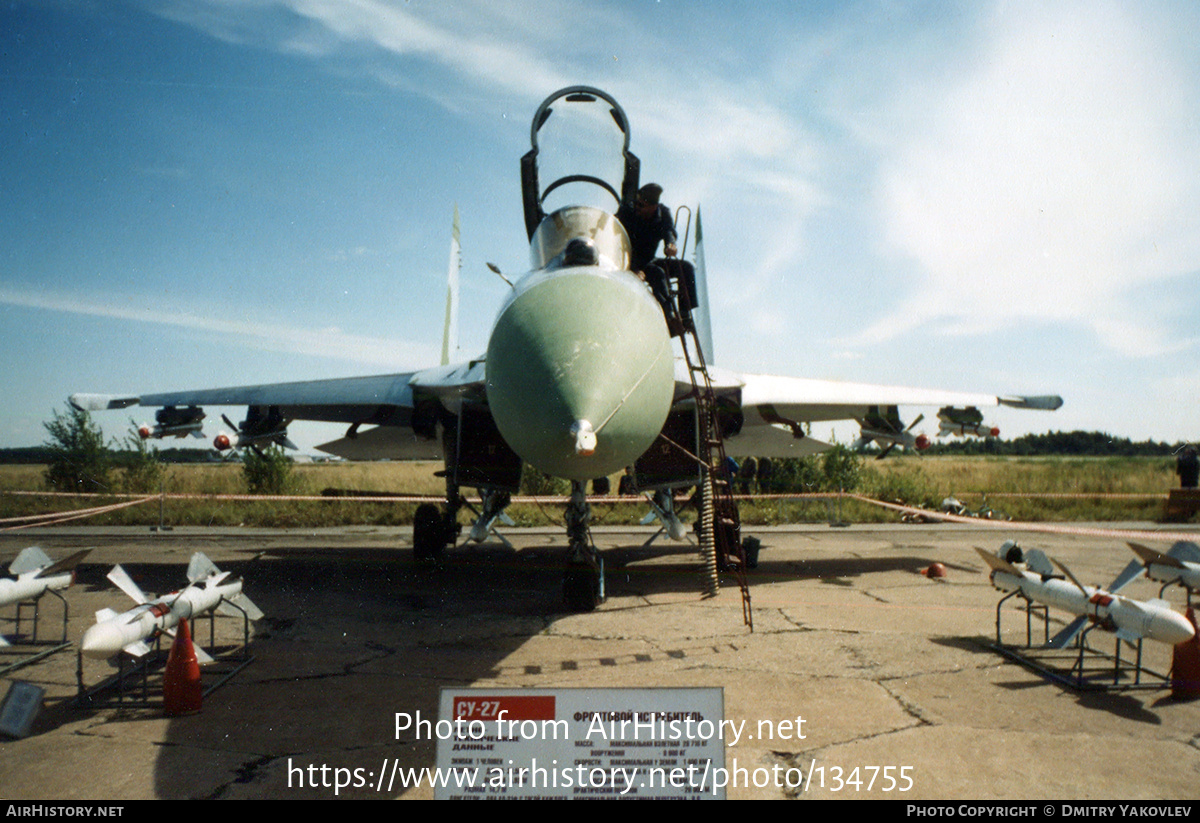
1002	482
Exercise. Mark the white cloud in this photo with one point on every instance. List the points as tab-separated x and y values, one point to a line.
329	342
1054	177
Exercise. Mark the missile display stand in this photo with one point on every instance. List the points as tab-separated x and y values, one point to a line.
138	680
44	648
1080	666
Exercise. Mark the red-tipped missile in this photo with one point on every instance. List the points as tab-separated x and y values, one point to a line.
967	429
1129	619
208	589
221	442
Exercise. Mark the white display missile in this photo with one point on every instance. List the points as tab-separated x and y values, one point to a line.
1181	564
208	589
35	574
1129	619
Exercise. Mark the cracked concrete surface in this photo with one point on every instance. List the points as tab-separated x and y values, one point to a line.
885	667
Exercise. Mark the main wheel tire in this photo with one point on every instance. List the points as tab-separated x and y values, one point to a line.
429	537
581	589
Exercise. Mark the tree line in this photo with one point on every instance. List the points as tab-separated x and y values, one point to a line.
1061	444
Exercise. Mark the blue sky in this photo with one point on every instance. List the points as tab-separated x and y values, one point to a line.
997	197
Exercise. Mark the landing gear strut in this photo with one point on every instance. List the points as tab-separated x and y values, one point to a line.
583	583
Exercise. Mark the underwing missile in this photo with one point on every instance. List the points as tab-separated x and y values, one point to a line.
174	422
964	430
159	431
883	426
963	423
1129	619
208	589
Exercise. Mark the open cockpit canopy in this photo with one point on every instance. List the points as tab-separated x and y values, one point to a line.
580	143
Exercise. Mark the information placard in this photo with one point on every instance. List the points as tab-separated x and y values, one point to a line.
579	743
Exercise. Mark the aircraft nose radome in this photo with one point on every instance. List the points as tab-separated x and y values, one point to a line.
580	347
585	438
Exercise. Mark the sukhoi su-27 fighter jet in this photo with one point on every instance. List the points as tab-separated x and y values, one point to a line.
580	378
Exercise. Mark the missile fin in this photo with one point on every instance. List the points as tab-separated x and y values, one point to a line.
242	602
1130	573
1038	563
200	567
1127	635
1149	555
998	563
29	560
65	565
1186	551
137	648
1064	638
124	582
1073	579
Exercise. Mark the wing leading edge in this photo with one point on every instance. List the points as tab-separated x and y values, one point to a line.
774	408
404	407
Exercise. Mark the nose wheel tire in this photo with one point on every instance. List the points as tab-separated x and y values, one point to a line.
581	588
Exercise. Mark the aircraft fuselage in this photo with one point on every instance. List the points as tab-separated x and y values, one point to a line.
580	369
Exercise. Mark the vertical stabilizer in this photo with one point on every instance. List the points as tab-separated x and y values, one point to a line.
450	331
700	315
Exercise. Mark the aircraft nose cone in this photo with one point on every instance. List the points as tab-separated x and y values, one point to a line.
580	372
585	438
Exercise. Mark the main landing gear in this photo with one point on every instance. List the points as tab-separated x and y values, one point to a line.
433	528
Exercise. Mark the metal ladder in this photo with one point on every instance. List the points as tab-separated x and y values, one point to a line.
720	525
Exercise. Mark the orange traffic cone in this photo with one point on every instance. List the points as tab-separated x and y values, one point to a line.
181	679
1185	666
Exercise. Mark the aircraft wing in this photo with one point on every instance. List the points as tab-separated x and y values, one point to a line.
393	403
774	408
